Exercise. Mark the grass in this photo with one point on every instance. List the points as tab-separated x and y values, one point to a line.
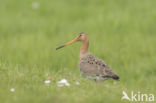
121	32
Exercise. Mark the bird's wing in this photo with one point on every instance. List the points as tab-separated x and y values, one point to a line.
94	66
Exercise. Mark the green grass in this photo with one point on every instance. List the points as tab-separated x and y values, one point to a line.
121	32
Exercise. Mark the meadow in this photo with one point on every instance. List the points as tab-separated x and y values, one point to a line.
121	32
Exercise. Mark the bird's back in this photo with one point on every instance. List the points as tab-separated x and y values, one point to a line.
95	68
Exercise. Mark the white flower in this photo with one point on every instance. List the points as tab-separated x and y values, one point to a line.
77	83
35	5
47	81
63	82
12	89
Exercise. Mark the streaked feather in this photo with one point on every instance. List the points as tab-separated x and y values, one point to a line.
95	68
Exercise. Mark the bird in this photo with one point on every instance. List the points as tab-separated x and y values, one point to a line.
91	66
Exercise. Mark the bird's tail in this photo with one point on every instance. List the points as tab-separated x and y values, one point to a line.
115	77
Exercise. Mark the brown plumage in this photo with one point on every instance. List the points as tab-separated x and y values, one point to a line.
90	66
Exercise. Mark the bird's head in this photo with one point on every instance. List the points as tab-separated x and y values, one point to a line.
81	37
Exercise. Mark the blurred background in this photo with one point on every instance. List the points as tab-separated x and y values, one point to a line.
121	32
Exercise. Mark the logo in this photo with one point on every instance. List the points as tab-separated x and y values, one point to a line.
137	96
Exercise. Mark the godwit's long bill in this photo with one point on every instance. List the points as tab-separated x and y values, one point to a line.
74	40
90	66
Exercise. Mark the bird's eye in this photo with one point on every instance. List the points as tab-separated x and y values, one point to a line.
80	35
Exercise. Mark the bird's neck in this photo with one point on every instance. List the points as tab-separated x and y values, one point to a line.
84	48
